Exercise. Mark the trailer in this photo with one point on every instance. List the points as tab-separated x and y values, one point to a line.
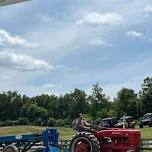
48	139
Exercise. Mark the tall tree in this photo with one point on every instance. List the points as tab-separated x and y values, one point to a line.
78	103
146	95
99	102
126	102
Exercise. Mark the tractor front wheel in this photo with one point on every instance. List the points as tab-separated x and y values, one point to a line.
84	142
11	148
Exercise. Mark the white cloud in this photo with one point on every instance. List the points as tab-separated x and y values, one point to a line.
148	9
23	62
135	34
6	77
9	40
48	86
60	38
97	42
96	18
113	88
53	40
54	93
103	58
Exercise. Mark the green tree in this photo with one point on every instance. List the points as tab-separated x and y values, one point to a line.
99	104
78	103
10	105
126	102
35	112
146	95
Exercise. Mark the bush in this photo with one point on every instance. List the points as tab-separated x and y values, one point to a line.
38	122
60	123
51	122
23	121
44	123
8	123
68	122
16	122
1	124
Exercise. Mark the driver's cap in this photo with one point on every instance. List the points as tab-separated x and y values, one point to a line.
79	115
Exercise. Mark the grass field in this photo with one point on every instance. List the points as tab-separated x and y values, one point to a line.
65	133
146	133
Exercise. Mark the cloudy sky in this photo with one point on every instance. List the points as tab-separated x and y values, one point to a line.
55	46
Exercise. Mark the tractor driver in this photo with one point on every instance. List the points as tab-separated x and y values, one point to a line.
82	125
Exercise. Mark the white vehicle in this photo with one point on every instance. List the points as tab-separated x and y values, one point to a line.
9	2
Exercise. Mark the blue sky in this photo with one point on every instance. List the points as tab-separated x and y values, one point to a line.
57	46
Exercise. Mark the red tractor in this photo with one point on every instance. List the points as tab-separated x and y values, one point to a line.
110	140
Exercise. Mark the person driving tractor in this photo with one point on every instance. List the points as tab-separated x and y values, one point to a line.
81	124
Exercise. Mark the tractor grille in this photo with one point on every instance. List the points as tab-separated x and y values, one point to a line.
119	141
136	139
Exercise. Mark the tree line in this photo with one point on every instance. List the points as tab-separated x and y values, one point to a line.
61	110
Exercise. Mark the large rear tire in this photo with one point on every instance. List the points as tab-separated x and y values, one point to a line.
84	142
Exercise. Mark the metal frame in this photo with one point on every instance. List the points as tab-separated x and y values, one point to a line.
24	142
146	144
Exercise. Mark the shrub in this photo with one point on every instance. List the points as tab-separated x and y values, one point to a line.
23	121
51	122
8	123
68	122
16	122
1	124
60	123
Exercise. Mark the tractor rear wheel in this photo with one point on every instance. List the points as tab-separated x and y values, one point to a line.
84	142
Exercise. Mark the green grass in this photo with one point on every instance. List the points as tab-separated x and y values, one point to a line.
19	130
65	133
146	133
